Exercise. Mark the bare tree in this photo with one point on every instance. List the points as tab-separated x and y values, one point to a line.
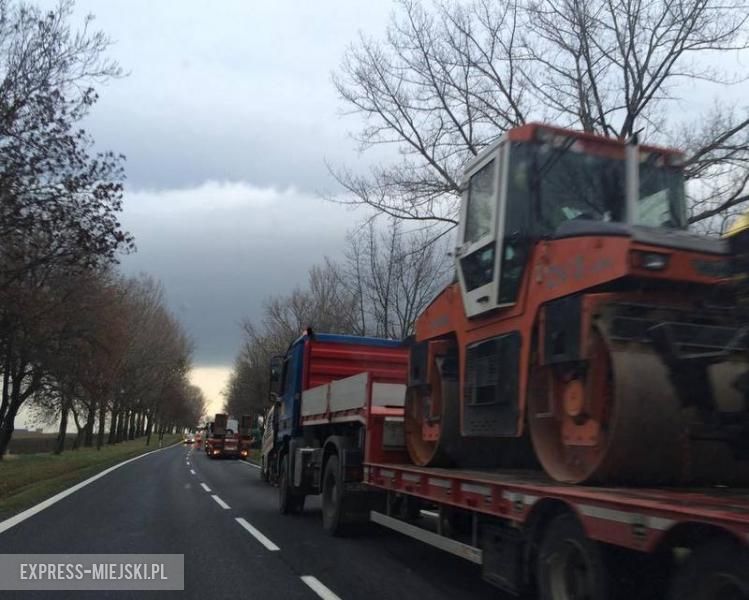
450	77
58	200
393	274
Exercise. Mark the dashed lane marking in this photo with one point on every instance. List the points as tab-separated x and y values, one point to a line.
319	588
257	535
220	502
249	464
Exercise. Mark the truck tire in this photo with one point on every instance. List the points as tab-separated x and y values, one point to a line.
264	474
288	501
342	514
716	569
569	565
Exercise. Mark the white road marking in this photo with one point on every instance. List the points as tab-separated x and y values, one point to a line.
220	502
257	535
192	471
319	589
205	487
249	464
30	512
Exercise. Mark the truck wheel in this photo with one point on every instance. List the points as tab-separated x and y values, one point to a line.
264	471
288	501
570	566
337	516
716	570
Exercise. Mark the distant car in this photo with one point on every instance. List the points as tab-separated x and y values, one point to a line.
190	438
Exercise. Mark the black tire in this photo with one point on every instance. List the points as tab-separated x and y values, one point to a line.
716	570
264	471
342	514
569	565
333	520
288	502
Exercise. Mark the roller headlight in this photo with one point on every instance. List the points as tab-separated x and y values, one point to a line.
652	261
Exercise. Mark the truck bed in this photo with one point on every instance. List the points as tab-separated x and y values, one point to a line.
628	516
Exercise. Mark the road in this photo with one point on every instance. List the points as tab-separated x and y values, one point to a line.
179	501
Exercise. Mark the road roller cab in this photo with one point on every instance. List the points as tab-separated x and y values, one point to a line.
588	329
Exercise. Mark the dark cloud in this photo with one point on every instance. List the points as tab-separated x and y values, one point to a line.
221	249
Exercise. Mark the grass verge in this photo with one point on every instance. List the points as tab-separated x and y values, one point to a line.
26	480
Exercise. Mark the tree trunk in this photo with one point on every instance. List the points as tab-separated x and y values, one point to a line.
79	437
63	431
131	426
121	425
149	428
18	395
6	432
102	423
113	424
7	367
88	436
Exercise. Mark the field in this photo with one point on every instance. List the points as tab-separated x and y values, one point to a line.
26	479
30	442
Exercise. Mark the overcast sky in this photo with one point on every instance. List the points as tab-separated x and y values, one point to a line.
226	118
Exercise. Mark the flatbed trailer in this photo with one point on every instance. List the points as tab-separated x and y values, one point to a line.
529	534
532	535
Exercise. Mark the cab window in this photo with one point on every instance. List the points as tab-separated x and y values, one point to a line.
480	202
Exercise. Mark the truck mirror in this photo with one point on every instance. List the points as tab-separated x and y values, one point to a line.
276	370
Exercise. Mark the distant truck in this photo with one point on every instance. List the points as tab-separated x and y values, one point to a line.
315	434
223	438
228	437
244	432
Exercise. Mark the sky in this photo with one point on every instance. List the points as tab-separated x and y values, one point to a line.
227	117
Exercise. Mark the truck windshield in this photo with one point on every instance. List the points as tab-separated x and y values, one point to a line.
578	185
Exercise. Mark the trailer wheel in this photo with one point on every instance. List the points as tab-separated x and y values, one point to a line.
716	570
570	566
339	516
288	501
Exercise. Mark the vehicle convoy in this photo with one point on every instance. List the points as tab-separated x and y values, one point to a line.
589	339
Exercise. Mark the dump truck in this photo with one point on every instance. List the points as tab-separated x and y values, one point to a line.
575	411
317	424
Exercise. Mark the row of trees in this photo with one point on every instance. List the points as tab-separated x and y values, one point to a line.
449	77
386	278
117	365
74	338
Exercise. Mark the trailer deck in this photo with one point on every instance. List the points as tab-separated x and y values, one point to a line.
636	518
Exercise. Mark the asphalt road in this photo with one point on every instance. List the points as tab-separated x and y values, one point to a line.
178	501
